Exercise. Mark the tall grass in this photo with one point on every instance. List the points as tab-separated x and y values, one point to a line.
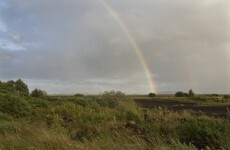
110	121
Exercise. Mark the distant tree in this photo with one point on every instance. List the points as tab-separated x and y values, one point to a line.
214	94
181	94
191	93
21	86
152	94
38	93
78	95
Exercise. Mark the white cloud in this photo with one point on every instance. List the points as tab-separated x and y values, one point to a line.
11	46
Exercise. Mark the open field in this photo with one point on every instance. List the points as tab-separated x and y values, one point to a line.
179	106
111	120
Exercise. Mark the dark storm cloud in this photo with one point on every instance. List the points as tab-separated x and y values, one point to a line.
76	45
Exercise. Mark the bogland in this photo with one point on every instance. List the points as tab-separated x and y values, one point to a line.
112	120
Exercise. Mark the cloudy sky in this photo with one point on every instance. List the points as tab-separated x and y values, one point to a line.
77	46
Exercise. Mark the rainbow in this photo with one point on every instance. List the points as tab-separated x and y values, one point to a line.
133	43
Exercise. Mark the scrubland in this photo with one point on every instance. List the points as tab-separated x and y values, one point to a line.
108	121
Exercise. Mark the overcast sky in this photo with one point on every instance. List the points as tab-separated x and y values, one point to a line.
76	46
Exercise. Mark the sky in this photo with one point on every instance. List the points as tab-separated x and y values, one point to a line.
78	46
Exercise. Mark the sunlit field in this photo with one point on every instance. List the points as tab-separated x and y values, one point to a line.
111	120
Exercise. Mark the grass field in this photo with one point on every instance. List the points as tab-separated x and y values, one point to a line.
108	121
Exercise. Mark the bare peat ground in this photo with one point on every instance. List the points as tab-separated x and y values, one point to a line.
177	106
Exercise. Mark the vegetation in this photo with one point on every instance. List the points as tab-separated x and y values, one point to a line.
191	93
109	121
152	94
226	97
38	93
182	94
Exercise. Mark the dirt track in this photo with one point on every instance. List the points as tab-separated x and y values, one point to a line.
179	106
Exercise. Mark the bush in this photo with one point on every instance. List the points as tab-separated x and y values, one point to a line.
205	132
181	94
21	86
152	95
191	93
37	102
14	106
111	98
7	128
5	117
18	87
215	95
79	95
38	93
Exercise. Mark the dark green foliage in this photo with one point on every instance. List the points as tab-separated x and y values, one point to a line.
79	95
111	98
181	94
214	94
9	84
84	101
151	94
21	86
5	117
7	128
38	93
130	116
191	93
18	87
14	106
204	132
37	103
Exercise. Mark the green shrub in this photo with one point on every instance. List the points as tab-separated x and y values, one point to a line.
112	98
14	106
191	93
83	101
37	102
7	128
205	132
215	95
151	95
21	86
38	93
5	117
181	94
131	116
79	95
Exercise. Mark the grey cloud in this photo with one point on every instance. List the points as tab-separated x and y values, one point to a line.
77	45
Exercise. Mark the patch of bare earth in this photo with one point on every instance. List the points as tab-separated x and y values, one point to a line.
180	106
